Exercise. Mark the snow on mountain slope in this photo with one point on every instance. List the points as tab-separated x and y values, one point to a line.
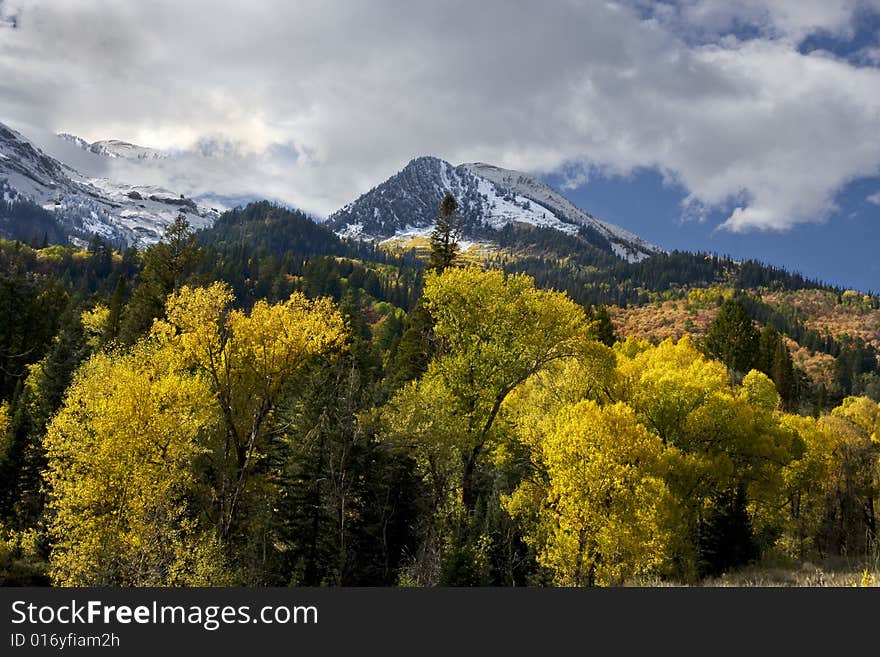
145	211
115	148
624	243
86	206
26	167
73	139
489	199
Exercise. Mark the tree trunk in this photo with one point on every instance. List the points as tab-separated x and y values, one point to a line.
468	488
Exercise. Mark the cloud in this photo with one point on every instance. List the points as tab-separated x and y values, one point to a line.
868	55
790	20
8	19
315	102
874	198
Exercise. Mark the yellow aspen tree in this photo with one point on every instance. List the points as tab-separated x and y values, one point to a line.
494	332
601	516
247	359
119	473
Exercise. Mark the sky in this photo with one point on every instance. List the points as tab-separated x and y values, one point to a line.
744	127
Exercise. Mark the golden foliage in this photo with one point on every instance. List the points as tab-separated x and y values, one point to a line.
603	511
120	455
123	448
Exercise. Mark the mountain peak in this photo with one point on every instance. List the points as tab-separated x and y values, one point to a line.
489	197
84	206
115	148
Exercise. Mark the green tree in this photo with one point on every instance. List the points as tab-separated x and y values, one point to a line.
770	337
117	302
733	338
416	346
23	460
444	238
165	266
604	327
348	506
783	375
774	360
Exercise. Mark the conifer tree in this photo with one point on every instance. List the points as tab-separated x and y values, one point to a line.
733	338
782	373
444	239
604	328
165	265
117	301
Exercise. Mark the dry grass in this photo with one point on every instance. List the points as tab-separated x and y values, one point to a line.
808	575
838	572
474	254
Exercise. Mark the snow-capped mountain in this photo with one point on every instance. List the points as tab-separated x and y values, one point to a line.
405	205
115	148
489	199
624	243
84	206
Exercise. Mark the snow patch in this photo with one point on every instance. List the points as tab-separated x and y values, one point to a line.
627	253
628	245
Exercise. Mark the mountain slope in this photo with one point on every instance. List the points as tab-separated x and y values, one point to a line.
624	243
115	148
83	206
489	199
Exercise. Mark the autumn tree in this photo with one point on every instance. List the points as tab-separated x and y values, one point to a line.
154	456
246	358
494	332
809	484
856	480
727	439
600	514
120	474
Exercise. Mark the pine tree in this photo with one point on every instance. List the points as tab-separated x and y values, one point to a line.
733	338
444	239
782	373
770	338
604	328
117	301
775	361
165	265
726	538
416	346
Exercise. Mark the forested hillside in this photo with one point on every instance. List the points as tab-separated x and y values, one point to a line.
264	403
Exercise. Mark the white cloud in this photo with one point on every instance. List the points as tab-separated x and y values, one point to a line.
874	198
314	102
